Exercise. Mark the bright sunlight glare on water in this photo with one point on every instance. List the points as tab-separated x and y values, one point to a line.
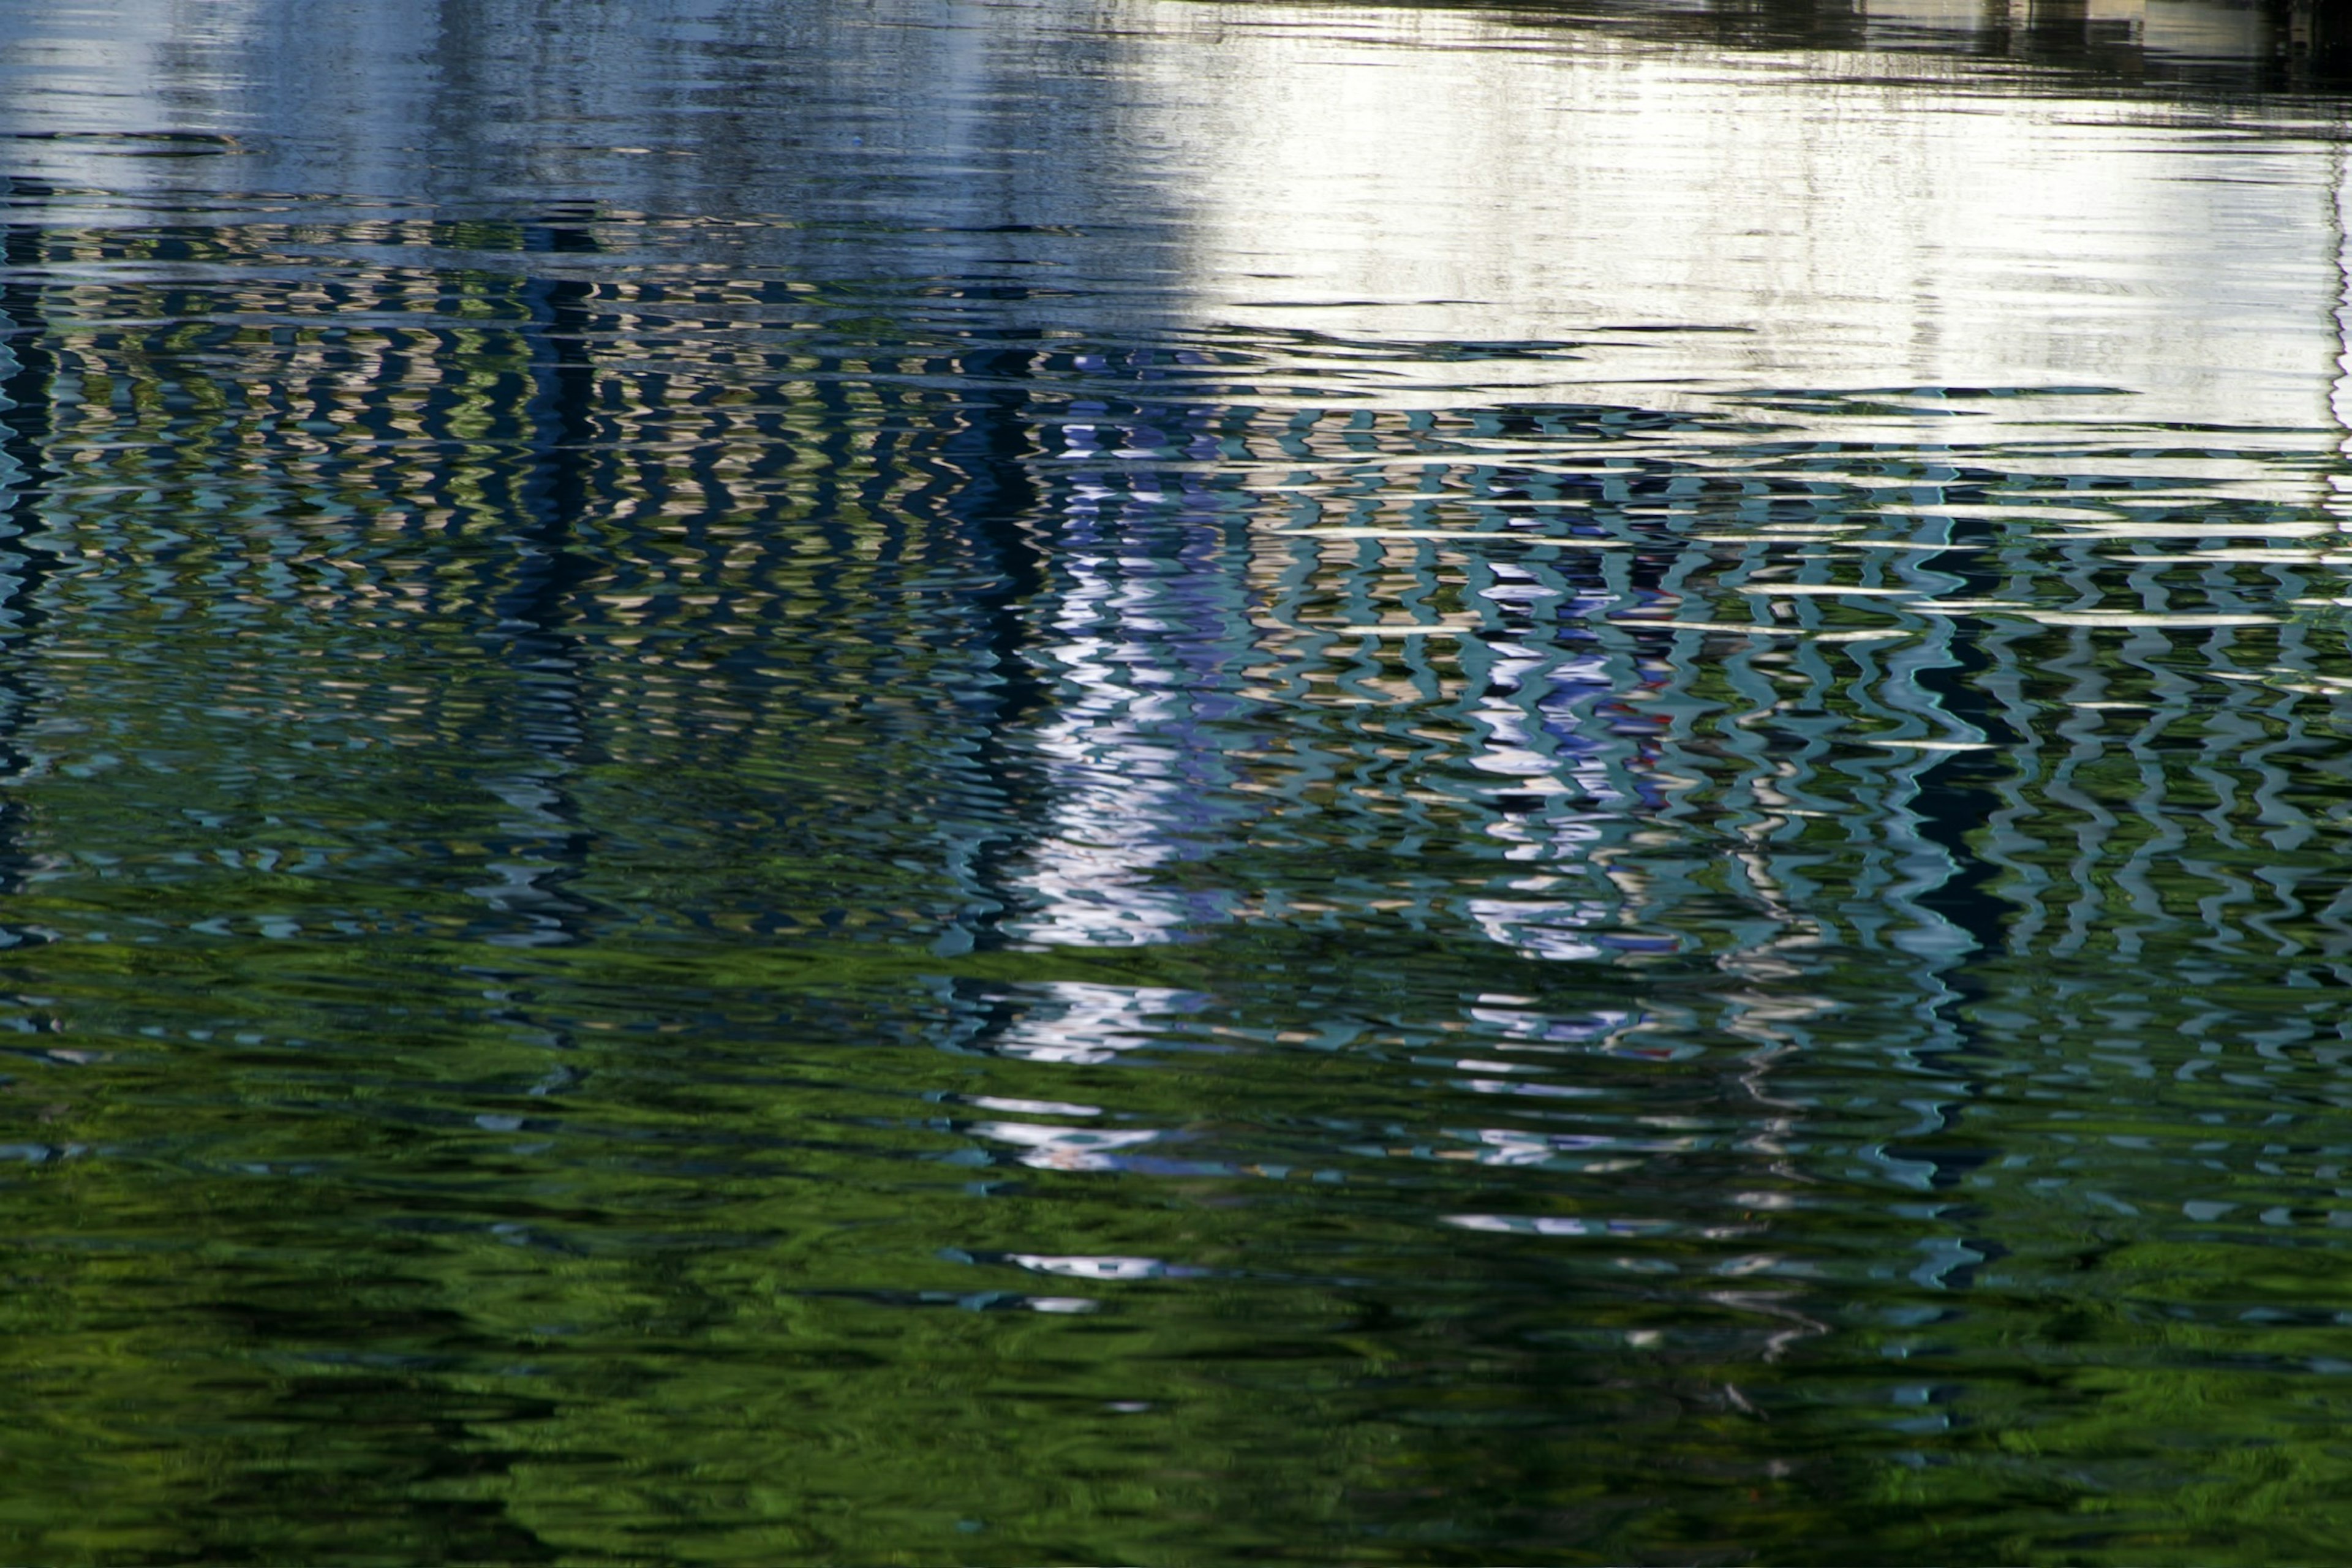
1175	781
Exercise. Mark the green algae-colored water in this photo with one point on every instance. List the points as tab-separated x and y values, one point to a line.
1112	781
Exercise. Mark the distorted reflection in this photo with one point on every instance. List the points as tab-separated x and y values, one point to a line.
1601	747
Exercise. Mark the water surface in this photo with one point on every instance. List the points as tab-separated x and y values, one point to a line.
1125	781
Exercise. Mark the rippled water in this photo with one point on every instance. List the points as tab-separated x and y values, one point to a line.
1118	780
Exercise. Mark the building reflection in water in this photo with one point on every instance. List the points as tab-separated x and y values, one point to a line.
1159	571
1452	479
1325	486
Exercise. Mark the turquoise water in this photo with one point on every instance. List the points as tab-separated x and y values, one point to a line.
1173	782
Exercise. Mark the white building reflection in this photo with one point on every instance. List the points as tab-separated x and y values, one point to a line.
1444	176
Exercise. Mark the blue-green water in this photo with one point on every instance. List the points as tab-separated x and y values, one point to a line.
1098	780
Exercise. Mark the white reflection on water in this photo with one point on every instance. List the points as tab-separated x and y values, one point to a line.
1464	177
1372	172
